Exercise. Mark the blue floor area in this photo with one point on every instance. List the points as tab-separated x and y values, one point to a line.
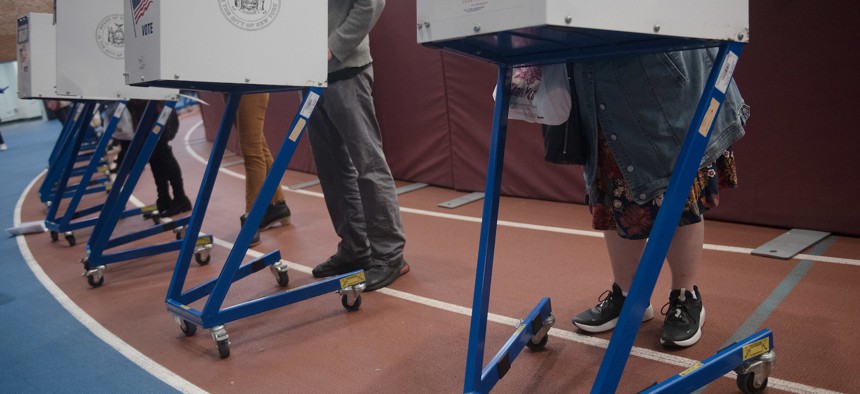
43	349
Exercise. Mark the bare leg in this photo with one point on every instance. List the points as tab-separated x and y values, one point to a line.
685	255
624	255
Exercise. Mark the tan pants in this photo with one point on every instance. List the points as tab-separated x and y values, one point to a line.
250	118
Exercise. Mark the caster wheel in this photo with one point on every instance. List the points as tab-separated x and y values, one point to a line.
537	346
223	348
156	220
746	382
55	236
344	300
189	329
178	235
70	238
95	283
202	260
283	278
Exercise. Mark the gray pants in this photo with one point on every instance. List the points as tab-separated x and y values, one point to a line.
355	178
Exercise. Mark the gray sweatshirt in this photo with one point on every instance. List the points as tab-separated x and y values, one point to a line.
349	22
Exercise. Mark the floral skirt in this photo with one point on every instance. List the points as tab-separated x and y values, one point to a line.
614	208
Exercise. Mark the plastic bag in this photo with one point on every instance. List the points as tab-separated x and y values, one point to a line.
540	94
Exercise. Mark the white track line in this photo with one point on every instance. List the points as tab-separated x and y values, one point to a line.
649	354
147	364
551	229
180	384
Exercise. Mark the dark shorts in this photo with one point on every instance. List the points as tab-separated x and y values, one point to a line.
613	207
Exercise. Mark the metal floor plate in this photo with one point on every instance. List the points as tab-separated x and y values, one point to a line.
789	244
460	201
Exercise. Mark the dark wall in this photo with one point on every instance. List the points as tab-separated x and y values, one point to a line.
797	164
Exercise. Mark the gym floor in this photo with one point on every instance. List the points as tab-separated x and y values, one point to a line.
411	336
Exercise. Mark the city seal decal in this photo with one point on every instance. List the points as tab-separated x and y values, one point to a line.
110	37
250	14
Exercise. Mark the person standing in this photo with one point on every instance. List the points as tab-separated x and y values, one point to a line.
165	169
250	119
347	147
633	113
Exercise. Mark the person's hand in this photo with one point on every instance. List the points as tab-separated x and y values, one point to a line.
330	55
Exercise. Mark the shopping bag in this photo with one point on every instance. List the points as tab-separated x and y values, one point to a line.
540	94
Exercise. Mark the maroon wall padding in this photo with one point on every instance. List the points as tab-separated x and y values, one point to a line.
798	165
279	116
410	99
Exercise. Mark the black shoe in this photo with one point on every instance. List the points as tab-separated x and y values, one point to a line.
685	316
335	266
256	239
379	276
604	316
179	205
163	205
275	213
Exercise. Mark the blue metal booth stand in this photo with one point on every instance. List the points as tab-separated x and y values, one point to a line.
751	358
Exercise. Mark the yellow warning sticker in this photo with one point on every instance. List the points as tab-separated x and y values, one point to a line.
148	208
186	307
207	240
352	280
757	348
691	369
156	129
709	117
300	125
520	329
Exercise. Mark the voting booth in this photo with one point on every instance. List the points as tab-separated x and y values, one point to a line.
216	44
91	53
512	33
36	49
541	25
235	47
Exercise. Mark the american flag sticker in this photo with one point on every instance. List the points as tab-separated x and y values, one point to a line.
138	9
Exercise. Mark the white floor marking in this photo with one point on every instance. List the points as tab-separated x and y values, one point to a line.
147	364
182	385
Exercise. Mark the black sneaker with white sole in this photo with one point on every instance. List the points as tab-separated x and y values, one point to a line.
685	316
604	316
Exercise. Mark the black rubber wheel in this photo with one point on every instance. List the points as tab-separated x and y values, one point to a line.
189	329
537	346
283	278
71	239
223	348
200	260
95	284
355	305
156	219
746	382
55	236
178	235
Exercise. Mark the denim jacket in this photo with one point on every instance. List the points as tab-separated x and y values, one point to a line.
645	105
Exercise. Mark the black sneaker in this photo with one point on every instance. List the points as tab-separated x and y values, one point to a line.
604	316
336	266
275	213
256	239
379	276
685	316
